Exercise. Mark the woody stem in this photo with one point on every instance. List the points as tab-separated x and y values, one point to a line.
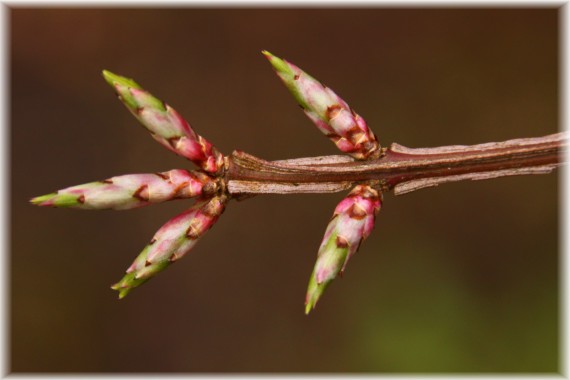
399	168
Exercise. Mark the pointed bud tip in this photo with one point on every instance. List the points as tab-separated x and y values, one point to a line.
114	79
56	200
123	293
122	289
116	286
127	284
310	303
314	293
280	65
42	198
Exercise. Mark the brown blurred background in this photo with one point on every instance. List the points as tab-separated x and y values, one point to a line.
461	278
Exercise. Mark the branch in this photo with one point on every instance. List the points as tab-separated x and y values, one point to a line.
399	168
366	168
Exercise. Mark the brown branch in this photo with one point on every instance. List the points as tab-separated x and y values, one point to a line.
399	168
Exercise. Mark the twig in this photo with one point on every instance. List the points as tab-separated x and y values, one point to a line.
366	168
399	168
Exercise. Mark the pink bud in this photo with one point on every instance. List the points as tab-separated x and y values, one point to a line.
352	222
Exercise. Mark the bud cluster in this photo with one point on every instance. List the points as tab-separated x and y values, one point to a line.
352	221
179	235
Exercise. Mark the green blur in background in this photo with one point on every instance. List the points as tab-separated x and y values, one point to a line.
459	278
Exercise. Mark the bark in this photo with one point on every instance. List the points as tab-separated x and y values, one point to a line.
399	168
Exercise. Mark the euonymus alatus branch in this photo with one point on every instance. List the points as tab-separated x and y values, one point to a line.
399	168
366	168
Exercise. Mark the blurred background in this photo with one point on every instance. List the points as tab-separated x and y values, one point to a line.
459	278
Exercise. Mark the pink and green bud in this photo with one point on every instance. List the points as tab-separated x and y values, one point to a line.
131	191
172	241
328	111
166	125
352	222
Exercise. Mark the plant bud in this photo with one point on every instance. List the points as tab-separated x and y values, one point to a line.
328	111
171	242
166	125
129	191
352	222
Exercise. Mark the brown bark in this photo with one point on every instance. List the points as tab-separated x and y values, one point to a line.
399	168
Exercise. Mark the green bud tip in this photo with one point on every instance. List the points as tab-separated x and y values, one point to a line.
114	79
56	200
314	293
42	198
318	292
278	64
126	284
122	292
138	277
